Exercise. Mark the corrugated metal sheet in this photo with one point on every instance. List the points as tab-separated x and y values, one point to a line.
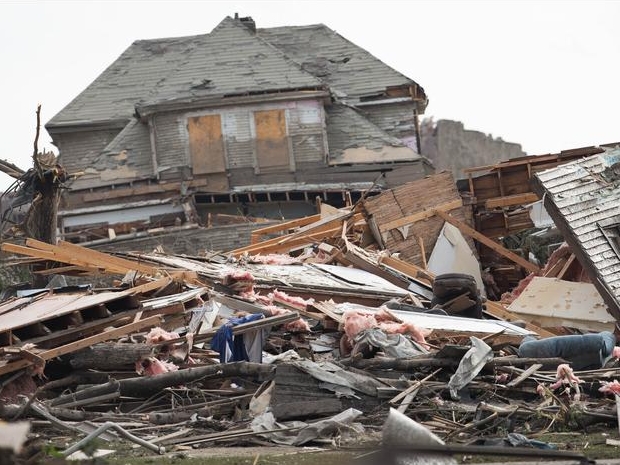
583	194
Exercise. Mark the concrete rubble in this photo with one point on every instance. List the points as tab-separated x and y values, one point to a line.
320	332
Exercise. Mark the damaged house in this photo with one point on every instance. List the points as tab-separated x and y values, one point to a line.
242	120
583	198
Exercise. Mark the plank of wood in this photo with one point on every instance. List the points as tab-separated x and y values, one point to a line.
308	234
412	271
293	241
329	310
68	270
284	226
107	258
497	310
30	252
414	386
511	200
525	375
566	266
178	276
83	343
421	215
555	269
468	230
357	261
52	256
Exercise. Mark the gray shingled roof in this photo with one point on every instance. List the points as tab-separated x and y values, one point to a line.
128	155
229	60
346	128
349	70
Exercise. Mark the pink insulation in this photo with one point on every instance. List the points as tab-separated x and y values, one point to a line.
296	326
158	335
292	301
357	321
152	366
274	259
240	281
564	375
610	388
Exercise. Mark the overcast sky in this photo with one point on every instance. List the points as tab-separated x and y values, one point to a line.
542	74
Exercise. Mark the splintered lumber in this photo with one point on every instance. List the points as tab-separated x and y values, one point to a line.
349	257
285	226
82	343
468	230
422	215
310	234
330	310
412	271
67	249
80	257
525	375
415	200
414	387
145	386
569	262
511	200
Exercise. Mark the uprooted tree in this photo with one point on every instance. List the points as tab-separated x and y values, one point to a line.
39	188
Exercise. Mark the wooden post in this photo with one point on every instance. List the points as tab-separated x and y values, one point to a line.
422	252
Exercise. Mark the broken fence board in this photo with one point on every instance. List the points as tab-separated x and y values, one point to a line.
525	375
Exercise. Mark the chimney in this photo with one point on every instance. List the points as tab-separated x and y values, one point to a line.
247	22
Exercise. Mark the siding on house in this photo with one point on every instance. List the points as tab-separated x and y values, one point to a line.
395	119
305	135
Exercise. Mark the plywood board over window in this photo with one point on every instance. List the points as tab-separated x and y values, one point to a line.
206	147
206	144
272	145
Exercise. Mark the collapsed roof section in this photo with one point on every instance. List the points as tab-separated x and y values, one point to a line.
583	198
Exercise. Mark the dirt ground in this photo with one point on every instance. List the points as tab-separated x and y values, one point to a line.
593	445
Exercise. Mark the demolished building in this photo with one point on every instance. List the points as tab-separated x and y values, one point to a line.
239	120
307	335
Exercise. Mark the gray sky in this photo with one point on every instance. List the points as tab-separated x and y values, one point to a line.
542	74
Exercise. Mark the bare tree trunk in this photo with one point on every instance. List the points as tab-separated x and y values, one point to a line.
145	386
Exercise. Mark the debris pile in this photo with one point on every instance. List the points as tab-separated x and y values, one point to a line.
311	333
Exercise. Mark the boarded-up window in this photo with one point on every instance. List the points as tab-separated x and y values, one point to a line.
271	141
206	145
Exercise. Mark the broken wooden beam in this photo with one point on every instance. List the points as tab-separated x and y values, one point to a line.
421	215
